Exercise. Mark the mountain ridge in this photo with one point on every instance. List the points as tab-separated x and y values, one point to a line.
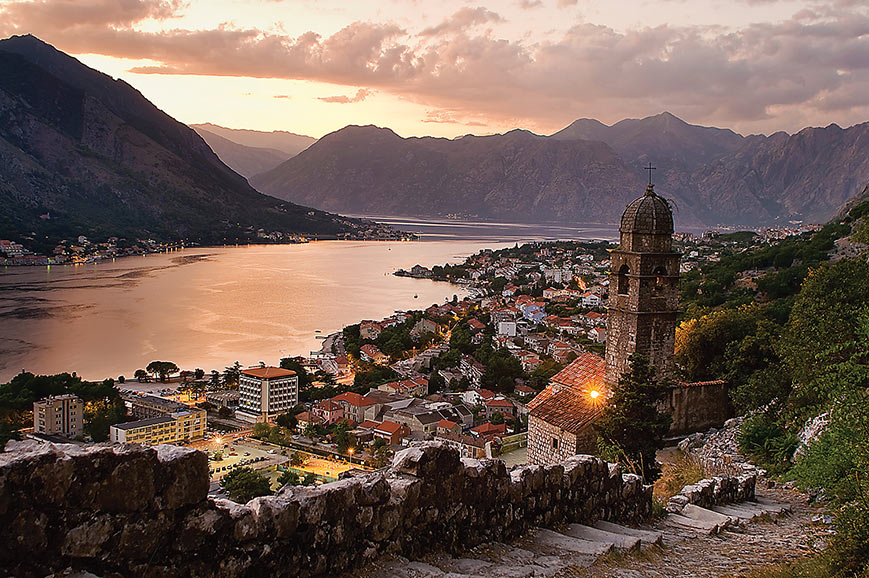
714	175
83	153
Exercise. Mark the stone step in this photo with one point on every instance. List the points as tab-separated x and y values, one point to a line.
647	536
559	544
678	521
772	507
620	541
498	559
741	511
702	514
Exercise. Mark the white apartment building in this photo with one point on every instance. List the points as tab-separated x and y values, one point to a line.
266	392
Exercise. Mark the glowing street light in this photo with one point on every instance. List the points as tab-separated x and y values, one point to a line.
594	394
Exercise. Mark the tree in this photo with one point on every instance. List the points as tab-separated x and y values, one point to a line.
298	459
100	415
293	365
121	379
287	420
631	428
198	373
214	382
163	369
261	431
309	479
245	484
289	477
141	375
497	418
231	375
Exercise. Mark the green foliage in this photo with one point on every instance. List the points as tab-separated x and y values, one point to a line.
497	418
701	343
631	427
244	484
541	374
100	415
502	369
288	477
825	342
293	365
287	420
838	462
372	376
261	431
352	339
767	443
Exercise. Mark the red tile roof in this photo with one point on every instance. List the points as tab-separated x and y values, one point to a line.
354	399
268	372
566	402
499	403
446	424
368	424
486	393
488	429
388	427
568	409
584	372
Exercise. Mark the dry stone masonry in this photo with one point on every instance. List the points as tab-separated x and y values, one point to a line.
138	511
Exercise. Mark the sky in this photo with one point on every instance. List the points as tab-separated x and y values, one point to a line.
453	67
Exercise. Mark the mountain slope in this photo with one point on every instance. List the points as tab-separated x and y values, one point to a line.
288	142
517	175
584	173
246	161
82	153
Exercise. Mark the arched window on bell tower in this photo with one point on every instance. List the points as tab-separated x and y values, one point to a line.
660	282
624	283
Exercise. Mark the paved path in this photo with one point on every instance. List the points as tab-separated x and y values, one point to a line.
725	541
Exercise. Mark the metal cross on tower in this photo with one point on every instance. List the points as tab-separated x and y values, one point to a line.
650	168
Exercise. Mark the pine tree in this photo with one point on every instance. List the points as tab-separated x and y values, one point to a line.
632	428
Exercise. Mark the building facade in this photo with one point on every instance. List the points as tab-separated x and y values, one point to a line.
59	415
644	289
266	392
178	427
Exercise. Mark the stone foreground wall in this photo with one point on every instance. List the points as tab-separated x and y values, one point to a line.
138	511
716	491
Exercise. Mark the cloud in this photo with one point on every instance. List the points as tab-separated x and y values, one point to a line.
566	3
361	95
528	4
463	19
448	117
764	76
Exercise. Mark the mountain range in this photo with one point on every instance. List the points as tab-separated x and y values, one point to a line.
583	173
82	153
250	152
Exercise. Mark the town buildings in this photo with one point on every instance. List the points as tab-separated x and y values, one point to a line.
177	427
59	415
266	392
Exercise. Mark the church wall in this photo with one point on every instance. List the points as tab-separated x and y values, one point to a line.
699	407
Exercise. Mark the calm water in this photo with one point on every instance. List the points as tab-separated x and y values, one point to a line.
208	307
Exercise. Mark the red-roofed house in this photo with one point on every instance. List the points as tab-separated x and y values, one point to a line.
560	416
392	432
369	352
353	405
305	419
504	406
329	411
446	425
489	430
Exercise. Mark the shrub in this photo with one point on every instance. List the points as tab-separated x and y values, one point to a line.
767	443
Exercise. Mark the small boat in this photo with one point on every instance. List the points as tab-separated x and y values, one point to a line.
317	331
416	296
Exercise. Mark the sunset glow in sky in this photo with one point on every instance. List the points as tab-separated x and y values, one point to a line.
453	67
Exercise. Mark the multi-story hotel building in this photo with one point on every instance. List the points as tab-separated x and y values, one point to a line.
58	415
180	426
266	392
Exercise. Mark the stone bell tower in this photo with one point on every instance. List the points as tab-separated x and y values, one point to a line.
644	288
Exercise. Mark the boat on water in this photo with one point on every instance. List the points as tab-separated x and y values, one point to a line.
416	296
320	337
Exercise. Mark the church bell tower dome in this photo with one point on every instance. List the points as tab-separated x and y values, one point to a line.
649	214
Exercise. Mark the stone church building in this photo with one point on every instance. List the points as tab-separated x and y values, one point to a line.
641	318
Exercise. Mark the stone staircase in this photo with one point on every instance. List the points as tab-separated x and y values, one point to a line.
547	552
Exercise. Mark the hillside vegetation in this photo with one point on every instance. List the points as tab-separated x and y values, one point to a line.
792	339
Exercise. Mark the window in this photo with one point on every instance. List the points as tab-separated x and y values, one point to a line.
624	283
555	443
